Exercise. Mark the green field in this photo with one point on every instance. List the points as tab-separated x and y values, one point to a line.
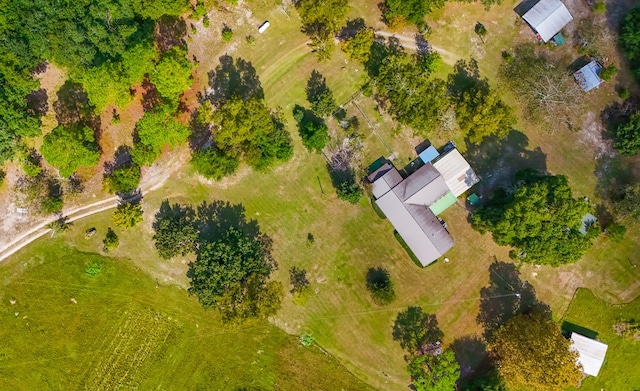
621	369
65	329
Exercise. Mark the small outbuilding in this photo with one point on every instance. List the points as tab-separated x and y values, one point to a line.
591	353
546	17
588	76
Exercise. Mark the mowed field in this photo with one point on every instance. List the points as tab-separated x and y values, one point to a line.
73	320
297	198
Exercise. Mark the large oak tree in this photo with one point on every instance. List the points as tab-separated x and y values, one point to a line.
532	354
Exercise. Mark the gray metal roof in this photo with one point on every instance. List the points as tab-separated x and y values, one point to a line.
416	181
418	226
587	76
547	18
384	179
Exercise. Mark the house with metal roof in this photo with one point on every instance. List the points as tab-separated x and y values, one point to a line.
546	17
412	204
588	76
591	353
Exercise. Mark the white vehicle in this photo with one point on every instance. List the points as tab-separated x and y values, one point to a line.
263	27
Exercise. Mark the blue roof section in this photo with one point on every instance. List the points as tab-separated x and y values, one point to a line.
429	154
587	221
588	77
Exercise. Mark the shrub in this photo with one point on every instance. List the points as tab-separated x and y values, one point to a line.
250	39
123	179
93	268
608	72
205	21
199	10
227	34
213	164
111	241
127	215
349	191
624	93
2	176
380	286
599	7
52	204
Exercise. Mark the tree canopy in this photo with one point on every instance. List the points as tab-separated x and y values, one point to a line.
627	136
435	372
123	179
230	274
249	130
630	39
411	95
320	21
358	47
70	147
107	55
540	218
531	353
395	12
415	328
176	230
172	75
547	91
154	130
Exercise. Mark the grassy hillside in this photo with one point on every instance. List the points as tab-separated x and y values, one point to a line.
74	320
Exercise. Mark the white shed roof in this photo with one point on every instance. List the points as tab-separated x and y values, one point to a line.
548	17
456	172
590	353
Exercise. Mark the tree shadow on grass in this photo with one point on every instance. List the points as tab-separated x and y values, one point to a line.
471	354
614	174
37	102
73	107
219	216
465	76
497	160
171	32
316	86
352	27
505	297
234	78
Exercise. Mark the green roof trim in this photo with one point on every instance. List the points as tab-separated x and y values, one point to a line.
443	203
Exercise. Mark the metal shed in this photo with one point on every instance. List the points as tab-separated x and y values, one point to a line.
591	353
587	76
547	18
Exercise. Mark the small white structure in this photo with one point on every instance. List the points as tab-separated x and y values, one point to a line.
591	353
588	76
263	27
547	18
456	171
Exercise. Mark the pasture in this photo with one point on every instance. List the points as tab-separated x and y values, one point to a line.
76	320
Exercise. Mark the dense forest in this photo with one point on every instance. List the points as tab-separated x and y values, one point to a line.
107	45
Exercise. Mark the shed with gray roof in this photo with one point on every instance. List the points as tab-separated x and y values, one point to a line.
547	18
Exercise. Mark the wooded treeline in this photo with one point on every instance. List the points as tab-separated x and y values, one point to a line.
107	45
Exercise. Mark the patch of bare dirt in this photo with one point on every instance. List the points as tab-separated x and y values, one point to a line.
590	135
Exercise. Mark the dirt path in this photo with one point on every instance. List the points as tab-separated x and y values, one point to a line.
152	180
410	43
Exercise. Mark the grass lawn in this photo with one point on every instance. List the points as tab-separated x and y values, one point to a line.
63	328
621	369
